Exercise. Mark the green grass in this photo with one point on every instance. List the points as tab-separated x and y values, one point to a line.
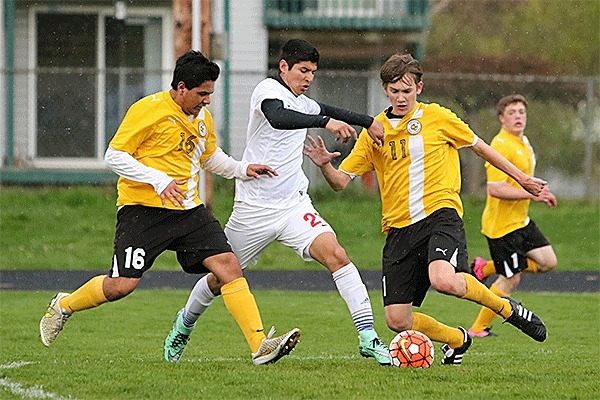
72	228
115	352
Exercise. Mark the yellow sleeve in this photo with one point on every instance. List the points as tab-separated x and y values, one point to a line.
137	125
210	145
493	173
454	130
359	161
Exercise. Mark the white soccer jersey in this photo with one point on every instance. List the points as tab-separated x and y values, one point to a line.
279	149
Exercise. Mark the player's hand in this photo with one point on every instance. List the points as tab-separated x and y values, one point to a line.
546	197
174	193
318	153
341	130
533	185
256	170
376	132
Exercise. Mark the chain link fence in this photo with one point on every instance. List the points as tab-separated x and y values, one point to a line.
563	118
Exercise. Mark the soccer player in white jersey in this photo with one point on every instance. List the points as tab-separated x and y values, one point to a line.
158	150
279	208
418	172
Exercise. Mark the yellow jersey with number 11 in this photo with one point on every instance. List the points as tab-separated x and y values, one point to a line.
418	168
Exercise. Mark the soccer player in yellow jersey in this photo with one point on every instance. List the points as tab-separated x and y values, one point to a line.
158	150
516	243
418	172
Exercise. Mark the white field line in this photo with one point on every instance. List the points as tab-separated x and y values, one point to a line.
34	392
16	364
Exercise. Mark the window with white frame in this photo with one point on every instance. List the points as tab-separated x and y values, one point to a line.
89	67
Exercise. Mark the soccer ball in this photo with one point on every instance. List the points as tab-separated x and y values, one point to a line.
411	349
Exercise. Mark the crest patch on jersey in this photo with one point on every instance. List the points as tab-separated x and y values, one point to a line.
413	127
202	129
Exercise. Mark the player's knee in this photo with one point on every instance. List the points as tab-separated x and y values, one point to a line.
443	284
547	263
397	323
117	288
340	257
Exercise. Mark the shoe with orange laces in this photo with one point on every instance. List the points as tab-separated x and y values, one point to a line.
272	349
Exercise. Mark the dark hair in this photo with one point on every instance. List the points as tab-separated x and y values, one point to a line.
193	69
298	50
510	99
399	65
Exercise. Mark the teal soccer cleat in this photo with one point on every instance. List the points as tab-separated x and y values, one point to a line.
371	345
177	339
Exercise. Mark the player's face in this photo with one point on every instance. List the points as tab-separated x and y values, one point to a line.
192	100
299	77
403	94
514	118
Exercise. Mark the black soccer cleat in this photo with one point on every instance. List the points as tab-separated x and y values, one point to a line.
455	356
529	323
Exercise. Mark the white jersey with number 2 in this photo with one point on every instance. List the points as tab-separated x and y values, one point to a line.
279	149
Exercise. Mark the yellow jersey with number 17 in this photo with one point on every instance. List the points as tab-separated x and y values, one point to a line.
157	133
501	216
418	168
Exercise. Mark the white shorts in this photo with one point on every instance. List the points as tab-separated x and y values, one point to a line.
251	229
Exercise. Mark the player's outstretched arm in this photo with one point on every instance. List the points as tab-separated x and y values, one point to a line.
530	183
322	158
341	130
506	191
226	166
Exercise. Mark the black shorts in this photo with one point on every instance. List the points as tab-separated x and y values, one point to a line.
509	251
408	252
143	233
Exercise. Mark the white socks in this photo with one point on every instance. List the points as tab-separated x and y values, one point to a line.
200	299
354	292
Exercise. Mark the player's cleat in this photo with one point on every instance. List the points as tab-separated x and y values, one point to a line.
53	320
487	332
273	348
455	356
177	338
371	345
477	268
529	323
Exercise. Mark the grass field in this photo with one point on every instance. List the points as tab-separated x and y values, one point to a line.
73	228
115	352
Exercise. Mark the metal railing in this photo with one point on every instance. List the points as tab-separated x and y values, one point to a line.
407	15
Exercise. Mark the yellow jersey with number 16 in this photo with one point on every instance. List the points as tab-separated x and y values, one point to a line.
157	133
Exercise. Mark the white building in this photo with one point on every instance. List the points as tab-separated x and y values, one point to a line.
71	68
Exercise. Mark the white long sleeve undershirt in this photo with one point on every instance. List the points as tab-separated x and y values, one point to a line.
123	164
226	166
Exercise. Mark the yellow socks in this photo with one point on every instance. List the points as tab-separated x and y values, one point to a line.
486	316
488	269
437	331
480	294
241	304
89	295
532	266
